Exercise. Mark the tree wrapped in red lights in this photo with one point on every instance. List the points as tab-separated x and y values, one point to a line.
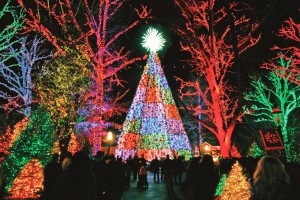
94	30
213	48
290	32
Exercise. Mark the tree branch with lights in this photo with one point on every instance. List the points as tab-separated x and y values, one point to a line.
18	72
289	32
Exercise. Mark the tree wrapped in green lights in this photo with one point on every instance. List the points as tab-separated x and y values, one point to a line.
36	141
276	91
153	126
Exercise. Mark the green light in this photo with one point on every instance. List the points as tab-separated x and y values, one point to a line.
153	40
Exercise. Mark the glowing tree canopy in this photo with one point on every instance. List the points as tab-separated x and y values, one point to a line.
290	33
153	126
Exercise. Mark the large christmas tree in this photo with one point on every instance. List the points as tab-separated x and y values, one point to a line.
153	126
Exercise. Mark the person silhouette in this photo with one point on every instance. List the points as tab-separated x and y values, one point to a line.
270	180
52	172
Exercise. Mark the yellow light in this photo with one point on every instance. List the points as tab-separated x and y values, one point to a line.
207	148
109	136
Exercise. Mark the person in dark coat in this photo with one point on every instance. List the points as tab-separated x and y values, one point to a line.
169	172
141	162
101	174
2	184
128	172
207	177
154	166
52	172
180	168
78	182
189	185
175	167
134	167
162	169
115	178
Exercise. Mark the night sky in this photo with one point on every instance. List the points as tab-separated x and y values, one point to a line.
269	13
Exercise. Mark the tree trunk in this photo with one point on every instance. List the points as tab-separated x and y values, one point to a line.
225	148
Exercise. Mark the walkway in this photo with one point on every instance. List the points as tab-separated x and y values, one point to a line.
155	191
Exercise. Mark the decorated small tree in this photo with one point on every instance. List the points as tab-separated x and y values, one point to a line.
29	182
236	186
255	151
153	126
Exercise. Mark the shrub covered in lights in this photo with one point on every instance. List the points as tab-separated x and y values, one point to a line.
153	126
35	141
236	185
29	181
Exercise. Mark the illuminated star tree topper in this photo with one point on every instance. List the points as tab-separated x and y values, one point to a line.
153	40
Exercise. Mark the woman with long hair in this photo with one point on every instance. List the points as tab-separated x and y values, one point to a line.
270	180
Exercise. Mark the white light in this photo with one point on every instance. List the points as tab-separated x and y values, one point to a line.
153	40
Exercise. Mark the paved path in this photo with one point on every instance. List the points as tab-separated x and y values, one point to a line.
155	191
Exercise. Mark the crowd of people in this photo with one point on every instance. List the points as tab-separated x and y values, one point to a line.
106	177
